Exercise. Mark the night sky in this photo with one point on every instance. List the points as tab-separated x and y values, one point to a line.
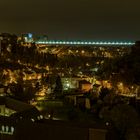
73	19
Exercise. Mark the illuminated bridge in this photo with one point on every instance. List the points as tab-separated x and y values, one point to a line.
104	43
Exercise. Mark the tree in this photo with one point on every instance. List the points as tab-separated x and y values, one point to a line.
103	93
123	117
58	87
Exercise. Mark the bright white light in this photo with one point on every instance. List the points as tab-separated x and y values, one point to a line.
68	84
30	35
89	43
12	129
3	127
41	117
7	128
32	120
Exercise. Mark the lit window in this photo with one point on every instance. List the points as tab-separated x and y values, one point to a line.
12	129
7	128
41	117
38	117
3	128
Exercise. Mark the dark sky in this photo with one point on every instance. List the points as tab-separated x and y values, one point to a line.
73	19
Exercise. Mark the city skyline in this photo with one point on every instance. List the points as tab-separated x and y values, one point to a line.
73	20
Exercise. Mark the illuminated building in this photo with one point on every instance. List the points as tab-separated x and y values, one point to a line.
27	37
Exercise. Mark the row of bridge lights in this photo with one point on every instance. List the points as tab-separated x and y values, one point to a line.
85	43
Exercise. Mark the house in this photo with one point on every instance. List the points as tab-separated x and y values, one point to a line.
85	85
13	112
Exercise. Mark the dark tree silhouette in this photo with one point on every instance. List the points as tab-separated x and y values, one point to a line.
103	93
58	87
